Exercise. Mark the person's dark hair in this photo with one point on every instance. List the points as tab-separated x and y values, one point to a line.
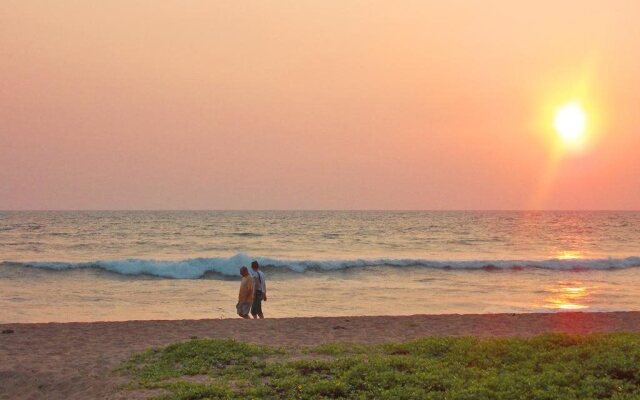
243	269
255	265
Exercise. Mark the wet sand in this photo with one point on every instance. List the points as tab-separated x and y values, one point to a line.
77	360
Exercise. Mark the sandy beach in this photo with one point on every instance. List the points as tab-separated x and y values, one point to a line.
77	360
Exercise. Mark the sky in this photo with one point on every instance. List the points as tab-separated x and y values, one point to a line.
326	104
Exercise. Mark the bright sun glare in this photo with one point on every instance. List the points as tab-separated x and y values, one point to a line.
570	123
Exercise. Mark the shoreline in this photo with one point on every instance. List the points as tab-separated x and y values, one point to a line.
78	359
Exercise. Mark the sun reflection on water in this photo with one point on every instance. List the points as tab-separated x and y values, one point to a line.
568	296
569	255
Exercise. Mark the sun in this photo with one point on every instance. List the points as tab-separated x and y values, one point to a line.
570	123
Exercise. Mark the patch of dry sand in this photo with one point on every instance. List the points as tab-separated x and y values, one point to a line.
77	360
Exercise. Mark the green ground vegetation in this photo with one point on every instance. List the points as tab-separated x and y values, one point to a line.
551	366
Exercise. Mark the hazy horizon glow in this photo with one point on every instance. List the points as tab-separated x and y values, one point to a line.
317	105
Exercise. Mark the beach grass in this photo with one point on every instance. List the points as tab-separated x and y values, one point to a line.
549	366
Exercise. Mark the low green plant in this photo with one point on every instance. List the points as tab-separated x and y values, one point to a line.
552	366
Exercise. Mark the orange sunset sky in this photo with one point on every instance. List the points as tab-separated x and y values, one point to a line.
317	104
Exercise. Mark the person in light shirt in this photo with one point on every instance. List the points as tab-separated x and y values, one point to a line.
260	290
246	294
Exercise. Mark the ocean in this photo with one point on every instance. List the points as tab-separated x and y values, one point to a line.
123	265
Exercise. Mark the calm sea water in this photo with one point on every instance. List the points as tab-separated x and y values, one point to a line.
81	266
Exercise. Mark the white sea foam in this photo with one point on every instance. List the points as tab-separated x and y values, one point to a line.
195	268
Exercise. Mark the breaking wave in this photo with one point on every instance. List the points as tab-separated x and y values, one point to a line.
195	268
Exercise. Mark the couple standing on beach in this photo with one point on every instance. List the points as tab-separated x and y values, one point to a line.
253	290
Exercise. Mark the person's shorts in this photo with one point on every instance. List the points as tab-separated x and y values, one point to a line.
243	308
